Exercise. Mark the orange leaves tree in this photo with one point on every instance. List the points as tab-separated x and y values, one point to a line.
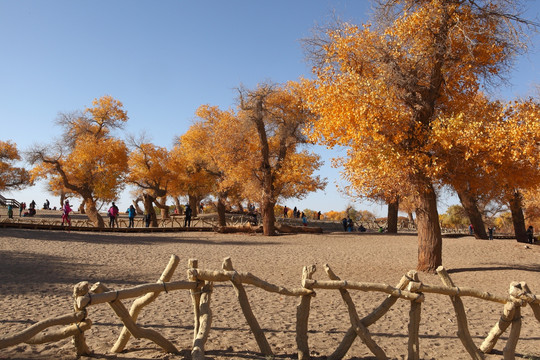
378	91
275	166
11	177
215	141
500	150
150	171
87	160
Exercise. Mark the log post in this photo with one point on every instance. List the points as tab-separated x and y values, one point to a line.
122	312
505	320
463	329
248	313
80	289
532	300
517	293
509	351
141	302
204	323
360	329
414	326
368	320
302	316
195	296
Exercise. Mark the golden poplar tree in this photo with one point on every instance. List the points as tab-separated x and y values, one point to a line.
216	139
498	149
378	91
11	176
87	160
275	166
150	171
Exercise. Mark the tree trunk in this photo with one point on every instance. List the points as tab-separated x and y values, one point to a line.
470	205
222	221
81	208
268	217
410	216
63	198
93	214
177	204
164	208
194	201
517	217
392	219
137	207
429	231
148	201
240	206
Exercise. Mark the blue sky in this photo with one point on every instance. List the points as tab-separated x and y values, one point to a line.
163	59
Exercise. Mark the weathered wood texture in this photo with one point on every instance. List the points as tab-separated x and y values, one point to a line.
200	283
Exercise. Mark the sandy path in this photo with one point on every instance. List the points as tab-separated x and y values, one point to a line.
39	268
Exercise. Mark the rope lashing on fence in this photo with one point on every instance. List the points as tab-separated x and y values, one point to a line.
200	283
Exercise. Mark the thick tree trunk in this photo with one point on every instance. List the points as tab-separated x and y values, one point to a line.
194	202
392	220
222	221
164	208
470	205
268	217
148	201
93	214
429	231
517	217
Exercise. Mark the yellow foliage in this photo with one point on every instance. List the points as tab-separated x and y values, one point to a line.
87	161
11	176
382	93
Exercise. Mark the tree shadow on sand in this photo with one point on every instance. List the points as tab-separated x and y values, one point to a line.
115	238
501	267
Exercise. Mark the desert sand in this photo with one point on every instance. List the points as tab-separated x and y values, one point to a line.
39	268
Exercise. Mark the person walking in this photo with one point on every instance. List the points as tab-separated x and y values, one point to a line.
188	213
530	234
66	210
490	232
304	219
131	215
113	215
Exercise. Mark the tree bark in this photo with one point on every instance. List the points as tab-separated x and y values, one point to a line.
93	213
194	201
137	207
410	216
164	208
222	221
392	219
268	217
470	205
148	201
429	231
517	217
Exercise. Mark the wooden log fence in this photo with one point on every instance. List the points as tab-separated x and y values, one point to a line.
200	283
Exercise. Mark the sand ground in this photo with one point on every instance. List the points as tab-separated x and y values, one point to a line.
39	268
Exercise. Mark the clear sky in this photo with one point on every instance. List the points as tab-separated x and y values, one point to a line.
162	60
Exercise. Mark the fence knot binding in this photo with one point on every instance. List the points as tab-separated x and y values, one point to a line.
200	284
